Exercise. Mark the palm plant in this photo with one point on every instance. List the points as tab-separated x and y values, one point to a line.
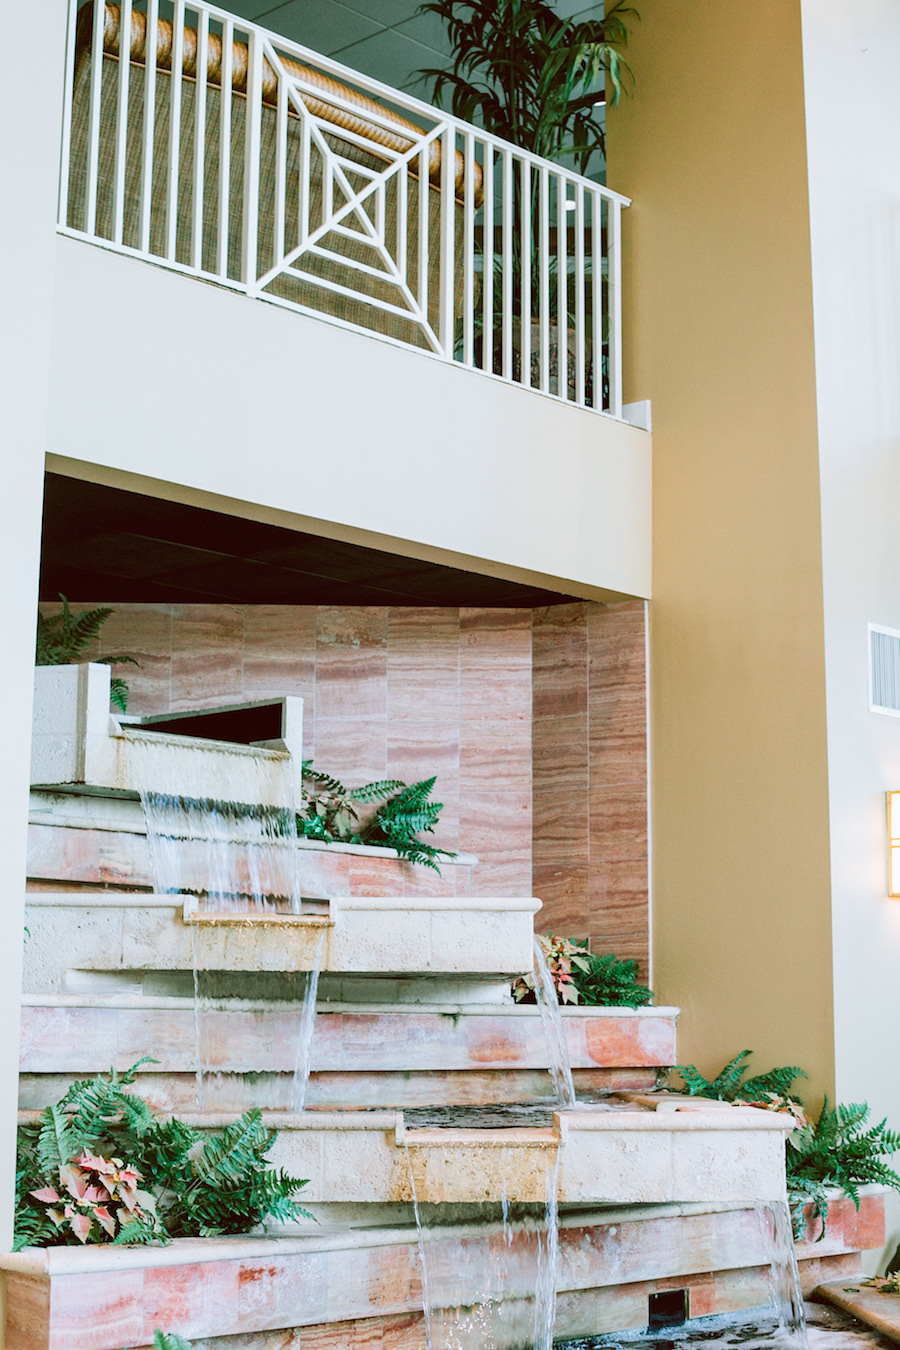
527	75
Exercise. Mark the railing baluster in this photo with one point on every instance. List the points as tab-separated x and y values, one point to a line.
579	295
402	207
448	240
90	214
66	147
469	252
199	182
424	209
224	220
122	122
525	268
544	265
305	169
281	135
614	251
487	263
249	262
597	299
506	363
149	123
176	77
562	290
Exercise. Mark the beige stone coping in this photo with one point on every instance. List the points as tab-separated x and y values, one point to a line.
881	1311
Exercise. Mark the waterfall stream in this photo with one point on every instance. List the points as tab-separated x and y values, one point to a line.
221	826
489	1271
554	1031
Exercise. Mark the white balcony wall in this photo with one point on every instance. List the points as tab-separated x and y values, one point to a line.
206	395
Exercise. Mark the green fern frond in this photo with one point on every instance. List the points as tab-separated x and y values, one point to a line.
729	1084
376	792
608	981
56	1142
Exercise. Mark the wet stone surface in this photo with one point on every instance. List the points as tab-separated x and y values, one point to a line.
827	1329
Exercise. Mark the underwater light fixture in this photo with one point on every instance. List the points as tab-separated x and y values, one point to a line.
893	830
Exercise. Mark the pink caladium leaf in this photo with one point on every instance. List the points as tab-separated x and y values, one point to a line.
74	1179
105	1220
95	1195
47	1195
81	1226
57	1216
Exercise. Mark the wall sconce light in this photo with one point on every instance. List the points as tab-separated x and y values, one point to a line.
893	830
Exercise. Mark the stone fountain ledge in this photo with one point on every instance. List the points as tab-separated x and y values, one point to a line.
733	1154
456	935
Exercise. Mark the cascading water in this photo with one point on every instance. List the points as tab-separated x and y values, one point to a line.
775	1222
221	822
489	1271
554	1031
221	826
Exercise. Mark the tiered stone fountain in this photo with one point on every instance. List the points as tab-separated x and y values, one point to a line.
655	1194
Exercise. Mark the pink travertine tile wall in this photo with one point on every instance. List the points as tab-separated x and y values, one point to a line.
388	693
533	721
590	774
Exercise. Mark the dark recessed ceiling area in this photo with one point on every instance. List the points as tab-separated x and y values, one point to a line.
105	544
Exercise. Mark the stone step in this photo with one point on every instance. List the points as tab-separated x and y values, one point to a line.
620	1156
363	1287
95	841
457	936
378	1055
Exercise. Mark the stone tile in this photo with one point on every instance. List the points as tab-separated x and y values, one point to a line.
495	693
563	889
95	1311
618	820
502	879
495	755
489	637
144	632
206	655
404	1332
196	1300
618	894
496	825
353	750
560	661
351	682
359	1335
423	664
276	1292
62	854
27	1311
351	626
279	653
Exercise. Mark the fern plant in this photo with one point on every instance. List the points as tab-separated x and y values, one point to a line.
331	814
167	1340
330	810
730	1085
839	1150
63	637
192	1184
611	982
400	821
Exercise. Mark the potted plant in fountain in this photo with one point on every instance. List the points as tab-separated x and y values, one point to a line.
523	73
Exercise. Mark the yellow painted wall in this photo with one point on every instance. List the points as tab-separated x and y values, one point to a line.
719	335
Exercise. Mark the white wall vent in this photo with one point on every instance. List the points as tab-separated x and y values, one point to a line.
884	670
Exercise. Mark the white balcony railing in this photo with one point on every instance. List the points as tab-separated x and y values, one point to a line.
316	188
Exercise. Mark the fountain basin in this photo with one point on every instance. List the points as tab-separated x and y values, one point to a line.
77	741
350	1285
463	936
